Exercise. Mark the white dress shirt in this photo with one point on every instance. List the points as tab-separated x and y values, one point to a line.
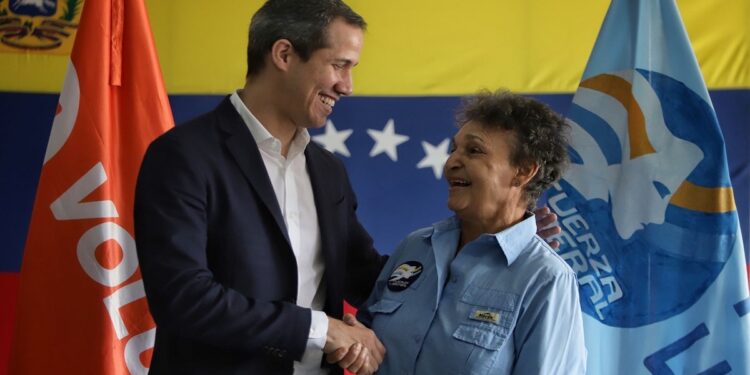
293	189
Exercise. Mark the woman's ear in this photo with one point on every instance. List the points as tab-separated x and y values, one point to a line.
281	52
525	173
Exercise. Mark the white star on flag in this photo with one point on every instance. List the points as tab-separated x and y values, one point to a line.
435	157
386	140
334	140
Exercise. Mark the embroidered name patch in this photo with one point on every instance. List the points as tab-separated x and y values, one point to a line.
486	316
404	275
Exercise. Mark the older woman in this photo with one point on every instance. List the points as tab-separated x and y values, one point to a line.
480	293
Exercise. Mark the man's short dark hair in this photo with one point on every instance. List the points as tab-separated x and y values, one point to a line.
303	22
540	134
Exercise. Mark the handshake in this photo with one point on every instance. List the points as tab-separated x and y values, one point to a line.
353	346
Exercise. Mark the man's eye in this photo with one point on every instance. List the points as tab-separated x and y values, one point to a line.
475	150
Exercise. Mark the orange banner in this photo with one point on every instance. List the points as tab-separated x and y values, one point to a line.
81	305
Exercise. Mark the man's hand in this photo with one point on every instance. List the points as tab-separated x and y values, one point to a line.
353	346
546	225
356	359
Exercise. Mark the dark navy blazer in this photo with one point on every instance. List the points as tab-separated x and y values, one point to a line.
218	269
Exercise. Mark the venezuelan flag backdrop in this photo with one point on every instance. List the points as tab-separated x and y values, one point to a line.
419	58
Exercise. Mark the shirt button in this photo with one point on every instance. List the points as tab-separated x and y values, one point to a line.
417	338
454	279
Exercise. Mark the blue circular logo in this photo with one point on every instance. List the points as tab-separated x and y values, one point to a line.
404	275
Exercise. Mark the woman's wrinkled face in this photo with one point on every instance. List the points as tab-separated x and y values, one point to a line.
480	174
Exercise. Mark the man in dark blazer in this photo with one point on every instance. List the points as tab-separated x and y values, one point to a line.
223	218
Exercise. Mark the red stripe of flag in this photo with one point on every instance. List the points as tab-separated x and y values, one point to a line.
8	291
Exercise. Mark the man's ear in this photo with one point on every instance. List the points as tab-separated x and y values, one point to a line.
526	172
281	54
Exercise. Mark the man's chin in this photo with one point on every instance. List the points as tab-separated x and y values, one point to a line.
318	123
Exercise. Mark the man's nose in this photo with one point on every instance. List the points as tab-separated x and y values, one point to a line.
345	86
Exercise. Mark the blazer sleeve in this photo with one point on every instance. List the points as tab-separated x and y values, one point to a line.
183	295
364	261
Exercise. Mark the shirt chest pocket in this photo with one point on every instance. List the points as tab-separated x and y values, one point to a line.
382	313
489	316
384	306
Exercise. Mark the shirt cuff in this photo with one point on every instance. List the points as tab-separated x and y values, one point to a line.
318	331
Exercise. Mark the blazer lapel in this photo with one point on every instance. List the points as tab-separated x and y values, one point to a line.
328	193
244	150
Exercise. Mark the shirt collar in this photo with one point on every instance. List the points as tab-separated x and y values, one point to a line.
511	241
263	138
514	240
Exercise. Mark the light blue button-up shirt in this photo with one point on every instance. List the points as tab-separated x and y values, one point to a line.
507	304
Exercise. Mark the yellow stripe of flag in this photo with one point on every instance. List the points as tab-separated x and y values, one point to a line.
418	47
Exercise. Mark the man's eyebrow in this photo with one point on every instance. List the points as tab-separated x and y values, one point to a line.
345	61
